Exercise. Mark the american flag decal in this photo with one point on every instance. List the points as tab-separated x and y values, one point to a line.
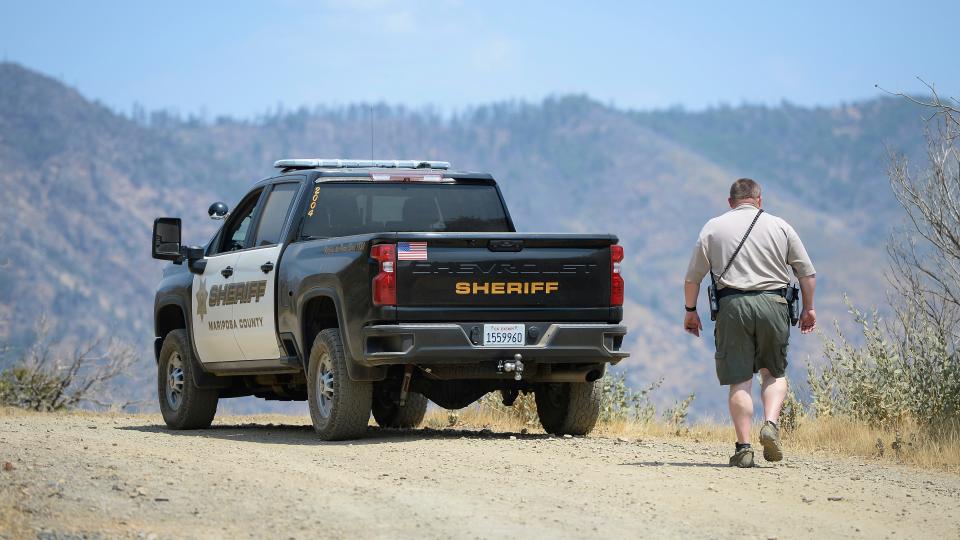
411	251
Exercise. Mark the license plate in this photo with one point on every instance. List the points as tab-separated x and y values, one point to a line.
504	335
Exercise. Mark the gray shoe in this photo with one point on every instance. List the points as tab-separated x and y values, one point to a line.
770	439
742	458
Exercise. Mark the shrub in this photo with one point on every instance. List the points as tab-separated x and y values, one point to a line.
908	369
676	416
47	379
903	372
620	402
792	412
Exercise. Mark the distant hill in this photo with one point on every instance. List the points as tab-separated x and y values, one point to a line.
82	185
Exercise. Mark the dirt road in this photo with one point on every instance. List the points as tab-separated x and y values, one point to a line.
84	475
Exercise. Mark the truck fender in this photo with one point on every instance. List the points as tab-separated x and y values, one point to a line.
357	371
201	378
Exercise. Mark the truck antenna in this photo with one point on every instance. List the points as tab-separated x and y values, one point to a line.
370	114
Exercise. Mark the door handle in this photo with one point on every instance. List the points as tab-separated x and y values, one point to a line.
266	267
227	272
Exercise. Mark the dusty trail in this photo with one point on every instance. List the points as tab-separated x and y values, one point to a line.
127	476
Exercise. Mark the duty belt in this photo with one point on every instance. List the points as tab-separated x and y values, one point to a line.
730	291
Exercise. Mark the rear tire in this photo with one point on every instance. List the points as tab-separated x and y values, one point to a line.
339	406
182	404
568	408
389	414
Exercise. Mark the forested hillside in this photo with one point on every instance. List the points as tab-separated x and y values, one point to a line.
81	185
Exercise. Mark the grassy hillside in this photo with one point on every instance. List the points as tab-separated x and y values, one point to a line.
82	185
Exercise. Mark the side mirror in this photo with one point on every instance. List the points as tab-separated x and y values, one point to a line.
166	239
218	211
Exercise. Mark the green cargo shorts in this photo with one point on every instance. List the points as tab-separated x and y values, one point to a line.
752	332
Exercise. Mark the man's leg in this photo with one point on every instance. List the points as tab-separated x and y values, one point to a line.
773	391
741	409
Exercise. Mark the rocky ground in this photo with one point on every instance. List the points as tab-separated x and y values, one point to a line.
107	476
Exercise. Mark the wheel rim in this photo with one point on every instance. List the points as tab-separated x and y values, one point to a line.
325	386
175	381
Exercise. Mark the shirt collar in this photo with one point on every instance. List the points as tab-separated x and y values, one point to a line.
744	205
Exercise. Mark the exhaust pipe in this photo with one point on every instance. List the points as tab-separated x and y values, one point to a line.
571	376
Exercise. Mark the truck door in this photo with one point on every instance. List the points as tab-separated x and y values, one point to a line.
255	311
215	291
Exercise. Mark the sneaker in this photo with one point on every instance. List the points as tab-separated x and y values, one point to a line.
742	458
770	439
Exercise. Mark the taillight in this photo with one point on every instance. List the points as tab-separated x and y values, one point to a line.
385	283
616	281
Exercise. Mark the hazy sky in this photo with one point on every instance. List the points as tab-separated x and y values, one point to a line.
244	58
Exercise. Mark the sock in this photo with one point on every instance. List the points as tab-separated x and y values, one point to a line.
741	446
773	423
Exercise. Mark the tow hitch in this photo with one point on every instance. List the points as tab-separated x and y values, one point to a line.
514	366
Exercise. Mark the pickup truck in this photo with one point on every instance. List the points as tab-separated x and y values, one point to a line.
362	285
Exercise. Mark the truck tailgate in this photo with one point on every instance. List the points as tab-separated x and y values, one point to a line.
503	270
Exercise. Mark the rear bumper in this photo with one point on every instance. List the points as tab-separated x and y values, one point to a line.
457	343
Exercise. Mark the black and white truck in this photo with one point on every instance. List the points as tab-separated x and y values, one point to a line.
376	285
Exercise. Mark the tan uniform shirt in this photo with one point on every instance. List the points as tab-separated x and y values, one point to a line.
765	260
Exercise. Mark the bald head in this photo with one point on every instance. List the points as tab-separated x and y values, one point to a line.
744	191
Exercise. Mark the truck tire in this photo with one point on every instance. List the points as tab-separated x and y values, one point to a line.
182	404
389	414
568	408
339	406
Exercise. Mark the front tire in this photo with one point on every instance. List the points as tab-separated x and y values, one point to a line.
182	404
568	408
389	414
339	406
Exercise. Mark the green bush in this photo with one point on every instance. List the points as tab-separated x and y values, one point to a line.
676	416
792	412
619	402
904	371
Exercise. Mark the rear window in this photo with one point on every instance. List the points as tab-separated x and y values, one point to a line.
358	208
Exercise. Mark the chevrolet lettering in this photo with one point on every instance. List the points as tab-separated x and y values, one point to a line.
365	286
498	269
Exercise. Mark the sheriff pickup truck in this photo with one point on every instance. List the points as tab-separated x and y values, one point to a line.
376	286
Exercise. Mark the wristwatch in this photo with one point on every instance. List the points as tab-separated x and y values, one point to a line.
690	309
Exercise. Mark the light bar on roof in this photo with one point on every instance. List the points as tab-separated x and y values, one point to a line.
360	164
406	177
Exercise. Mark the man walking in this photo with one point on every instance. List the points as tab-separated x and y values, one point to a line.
750	254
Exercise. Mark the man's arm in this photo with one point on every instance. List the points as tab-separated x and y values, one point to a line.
808	317
799	260
696	270
691	321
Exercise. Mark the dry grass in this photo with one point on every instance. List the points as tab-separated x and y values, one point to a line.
847	437
826	436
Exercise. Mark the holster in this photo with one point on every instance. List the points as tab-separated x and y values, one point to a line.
793	303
